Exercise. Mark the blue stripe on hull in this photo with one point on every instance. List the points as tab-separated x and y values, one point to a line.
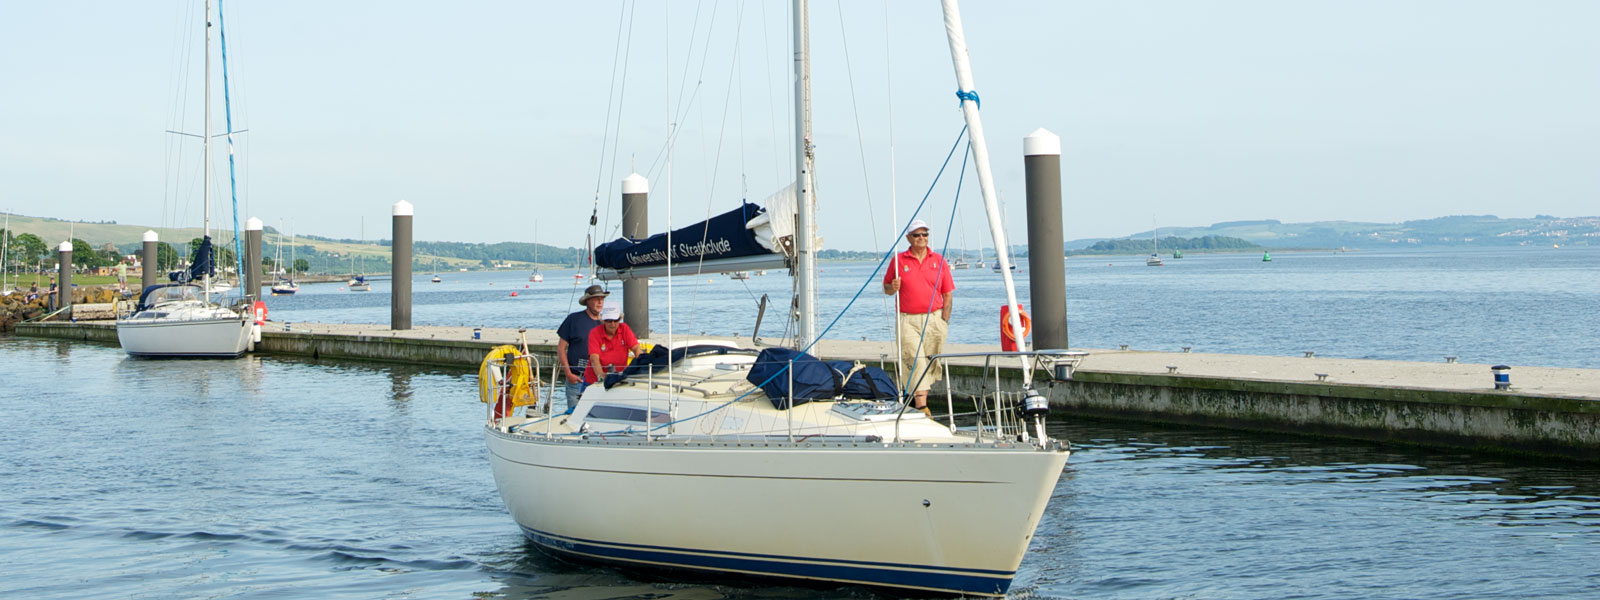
967	581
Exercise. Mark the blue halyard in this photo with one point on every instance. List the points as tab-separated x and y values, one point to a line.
233	185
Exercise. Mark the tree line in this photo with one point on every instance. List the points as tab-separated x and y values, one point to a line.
1141	246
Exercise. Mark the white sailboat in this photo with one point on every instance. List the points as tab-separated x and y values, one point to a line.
181	319
285	285
1155	253
5	265
536	276
699	466
358	281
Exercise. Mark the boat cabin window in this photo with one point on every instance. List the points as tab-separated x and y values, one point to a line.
155	295
625	414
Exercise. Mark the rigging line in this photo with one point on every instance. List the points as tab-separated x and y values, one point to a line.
680	112
772	111
943	264
716	163
866	177
600	171
233	186
622	92
868	281
891	303
173	82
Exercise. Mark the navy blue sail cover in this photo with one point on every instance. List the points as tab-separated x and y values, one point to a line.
723	236
816	379
200	264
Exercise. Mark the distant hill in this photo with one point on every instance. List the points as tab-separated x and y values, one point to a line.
325	255
1459	230
1209	243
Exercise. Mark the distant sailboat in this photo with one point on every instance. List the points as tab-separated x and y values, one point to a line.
1155	254
284	286
358	281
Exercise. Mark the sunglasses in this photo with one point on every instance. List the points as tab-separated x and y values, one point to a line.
918	235
612	320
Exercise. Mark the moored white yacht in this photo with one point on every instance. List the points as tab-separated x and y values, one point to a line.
714	458
176	320
182	320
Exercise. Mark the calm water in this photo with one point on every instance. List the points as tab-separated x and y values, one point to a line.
1520	306
274	478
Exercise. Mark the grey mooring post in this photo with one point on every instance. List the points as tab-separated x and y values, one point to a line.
150	259
400	290
64	277
1047	274
635	225
251	277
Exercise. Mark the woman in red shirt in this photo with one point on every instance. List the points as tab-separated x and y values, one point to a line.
610	345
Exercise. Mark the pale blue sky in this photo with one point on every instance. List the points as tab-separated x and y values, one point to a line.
488	115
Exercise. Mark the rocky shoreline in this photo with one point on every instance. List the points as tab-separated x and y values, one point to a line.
15	307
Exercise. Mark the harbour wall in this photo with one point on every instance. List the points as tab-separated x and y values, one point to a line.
1493	421
1559	415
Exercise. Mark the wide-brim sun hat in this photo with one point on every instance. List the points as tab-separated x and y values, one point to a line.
593	291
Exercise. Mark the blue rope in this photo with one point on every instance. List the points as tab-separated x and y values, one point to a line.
969	95
233	184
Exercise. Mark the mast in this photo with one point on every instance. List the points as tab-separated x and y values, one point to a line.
805	258
980	155
205	171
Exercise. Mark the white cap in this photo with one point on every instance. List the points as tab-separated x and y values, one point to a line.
150	236
1041	143
635	184
918	224
610	312
403	209
252	224
65	246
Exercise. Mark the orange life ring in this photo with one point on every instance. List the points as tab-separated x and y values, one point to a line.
1005	323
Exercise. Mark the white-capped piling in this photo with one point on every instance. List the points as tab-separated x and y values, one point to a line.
63	298
400	248
251	277
636	225
150	259
1041	157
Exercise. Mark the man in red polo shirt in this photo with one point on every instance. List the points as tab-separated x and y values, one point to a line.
922	278
609	345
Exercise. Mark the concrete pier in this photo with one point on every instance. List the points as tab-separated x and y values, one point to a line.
150	258
1549	411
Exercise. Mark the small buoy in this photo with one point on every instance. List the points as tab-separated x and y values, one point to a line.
513	294
524	286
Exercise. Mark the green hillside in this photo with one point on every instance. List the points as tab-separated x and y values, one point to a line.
324	255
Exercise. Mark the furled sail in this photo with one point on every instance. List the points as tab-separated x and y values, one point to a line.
200	265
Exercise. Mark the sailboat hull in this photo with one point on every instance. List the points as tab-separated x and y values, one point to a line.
949	518
200	338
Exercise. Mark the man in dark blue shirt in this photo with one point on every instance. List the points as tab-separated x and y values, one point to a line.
573	349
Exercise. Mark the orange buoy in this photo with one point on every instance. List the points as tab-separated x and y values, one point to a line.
513	294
